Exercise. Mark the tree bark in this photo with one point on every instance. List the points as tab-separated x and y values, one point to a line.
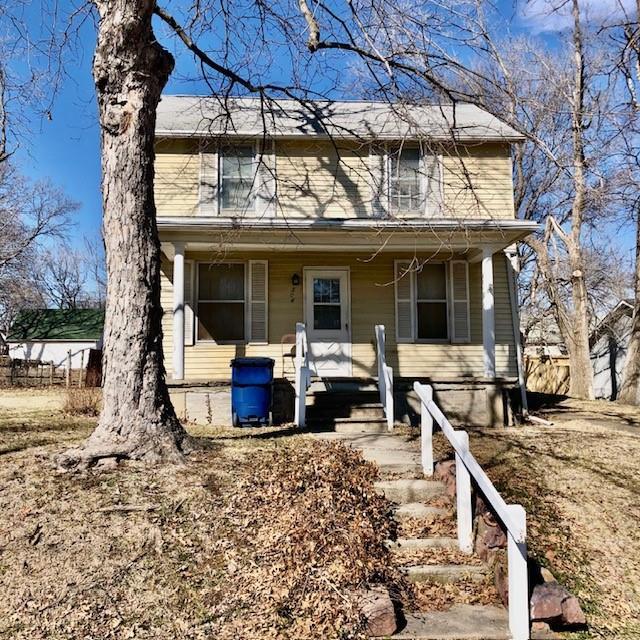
130	70
630	390
577	335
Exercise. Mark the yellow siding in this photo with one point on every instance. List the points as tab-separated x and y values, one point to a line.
321	179
177	178
317	179
372	302
478	182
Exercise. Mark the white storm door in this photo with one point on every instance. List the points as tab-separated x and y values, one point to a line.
328	317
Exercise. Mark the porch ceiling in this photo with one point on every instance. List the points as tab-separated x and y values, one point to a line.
355	235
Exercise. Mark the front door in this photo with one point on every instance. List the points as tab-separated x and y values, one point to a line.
328	317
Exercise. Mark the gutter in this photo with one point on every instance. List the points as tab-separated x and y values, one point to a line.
286	224
340	135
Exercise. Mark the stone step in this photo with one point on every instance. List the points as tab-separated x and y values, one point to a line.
417	510
406	490
343	385
460	622
445	573
417	544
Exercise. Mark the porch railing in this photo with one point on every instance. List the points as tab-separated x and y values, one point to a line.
303	374
512	516
385	376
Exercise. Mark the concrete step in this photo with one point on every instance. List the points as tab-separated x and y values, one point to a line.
445	573
406	490
417	510
417	544
353	425
366	410
398	469
343	385
460	622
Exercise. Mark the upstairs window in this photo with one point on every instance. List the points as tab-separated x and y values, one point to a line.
405	180
237	173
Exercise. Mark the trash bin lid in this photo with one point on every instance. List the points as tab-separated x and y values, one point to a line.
252	362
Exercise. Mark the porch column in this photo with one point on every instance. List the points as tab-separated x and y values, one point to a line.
488	317
178	311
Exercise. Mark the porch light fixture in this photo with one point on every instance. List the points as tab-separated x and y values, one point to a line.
295	279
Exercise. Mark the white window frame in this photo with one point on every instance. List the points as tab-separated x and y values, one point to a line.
389	175
416	300
244	301
254	183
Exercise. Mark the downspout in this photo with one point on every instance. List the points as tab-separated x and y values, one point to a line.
515	320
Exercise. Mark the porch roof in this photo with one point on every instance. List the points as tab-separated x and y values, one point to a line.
356	235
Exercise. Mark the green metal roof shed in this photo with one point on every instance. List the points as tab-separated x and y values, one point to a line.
57	324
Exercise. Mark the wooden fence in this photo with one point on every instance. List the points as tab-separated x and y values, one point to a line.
547	374
36	373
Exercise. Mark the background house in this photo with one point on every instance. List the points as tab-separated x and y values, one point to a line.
49	334
609	343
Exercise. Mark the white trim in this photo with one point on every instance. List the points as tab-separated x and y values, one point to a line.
353	224
250	339
454	338
488	314
305	307
178	311
411	299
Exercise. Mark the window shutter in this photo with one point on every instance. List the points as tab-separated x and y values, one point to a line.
258	300
405	304
266	180
461	330
209	181
432	184
189	316
378	181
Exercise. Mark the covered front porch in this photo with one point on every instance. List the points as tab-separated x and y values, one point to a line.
444	295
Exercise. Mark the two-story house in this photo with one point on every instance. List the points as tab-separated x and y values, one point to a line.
343	217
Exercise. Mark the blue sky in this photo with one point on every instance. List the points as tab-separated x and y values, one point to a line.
65	148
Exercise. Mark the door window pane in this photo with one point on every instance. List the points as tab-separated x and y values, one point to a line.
326	290
327	316
432	321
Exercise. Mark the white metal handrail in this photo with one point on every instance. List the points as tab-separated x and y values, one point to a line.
385	376
303	374
512	516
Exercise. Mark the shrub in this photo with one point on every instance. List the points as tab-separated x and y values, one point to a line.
83	402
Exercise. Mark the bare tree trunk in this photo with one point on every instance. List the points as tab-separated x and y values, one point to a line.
130	70
630	390
577	335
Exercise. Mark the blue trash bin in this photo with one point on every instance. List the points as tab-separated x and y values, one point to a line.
251	391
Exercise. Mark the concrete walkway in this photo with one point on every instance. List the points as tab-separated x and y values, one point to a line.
404	485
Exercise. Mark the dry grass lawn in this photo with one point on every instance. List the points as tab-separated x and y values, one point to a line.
579	481
257	537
